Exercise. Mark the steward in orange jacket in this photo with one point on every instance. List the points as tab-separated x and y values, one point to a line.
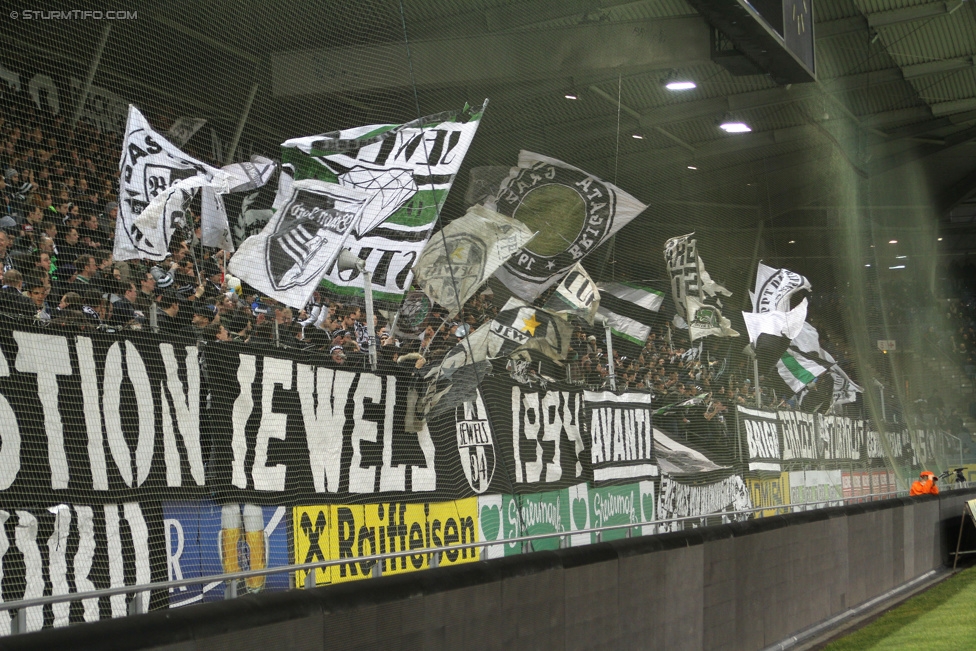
925	485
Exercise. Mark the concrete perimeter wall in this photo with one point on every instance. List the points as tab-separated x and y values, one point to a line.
739	586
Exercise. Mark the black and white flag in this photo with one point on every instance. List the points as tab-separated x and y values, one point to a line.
518	327
290	256
465	253
407	171
688	275
183	129
247	176
573	211
774	287
845	391
157	181
576	296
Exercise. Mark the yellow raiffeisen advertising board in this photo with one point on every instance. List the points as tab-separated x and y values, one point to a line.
351	532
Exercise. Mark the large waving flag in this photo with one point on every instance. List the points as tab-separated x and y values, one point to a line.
774	287
691	287
246	176
776	323
157	181
301	242
407	171
464	254
518	327
573	211
798	370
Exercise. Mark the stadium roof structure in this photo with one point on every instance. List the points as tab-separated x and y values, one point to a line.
892	97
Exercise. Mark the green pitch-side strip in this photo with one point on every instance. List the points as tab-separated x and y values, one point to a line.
794	367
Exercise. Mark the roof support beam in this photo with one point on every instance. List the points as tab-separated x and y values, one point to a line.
908	14
906	157
959	191
841	27
631	112
936	67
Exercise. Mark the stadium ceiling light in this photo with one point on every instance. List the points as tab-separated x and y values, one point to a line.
897	266
677	83
867	265
940	239
692	167
892	241
637	136
730	124
900	257
571	94
792	242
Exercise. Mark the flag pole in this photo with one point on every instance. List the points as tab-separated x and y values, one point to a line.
370	325
610	365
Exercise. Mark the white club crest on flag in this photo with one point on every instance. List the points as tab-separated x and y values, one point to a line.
465	253
573	211
301	241
157	181
706	320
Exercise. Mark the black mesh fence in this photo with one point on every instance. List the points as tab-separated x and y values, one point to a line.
579	318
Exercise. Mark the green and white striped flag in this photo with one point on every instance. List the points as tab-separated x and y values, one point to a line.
407	169
798	371
629	309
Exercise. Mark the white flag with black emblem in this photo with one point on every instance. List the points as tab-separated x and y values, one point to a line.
157	182
301	242
705	320
774	287
465	253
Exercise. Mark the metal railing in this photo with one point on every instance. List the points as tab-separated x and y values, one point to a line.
231	579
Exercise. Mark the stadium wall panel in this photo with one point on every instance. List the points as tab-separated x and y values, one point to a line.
738	586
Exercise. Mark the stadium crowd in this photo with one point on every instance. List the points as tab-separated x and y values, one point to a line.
57	228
